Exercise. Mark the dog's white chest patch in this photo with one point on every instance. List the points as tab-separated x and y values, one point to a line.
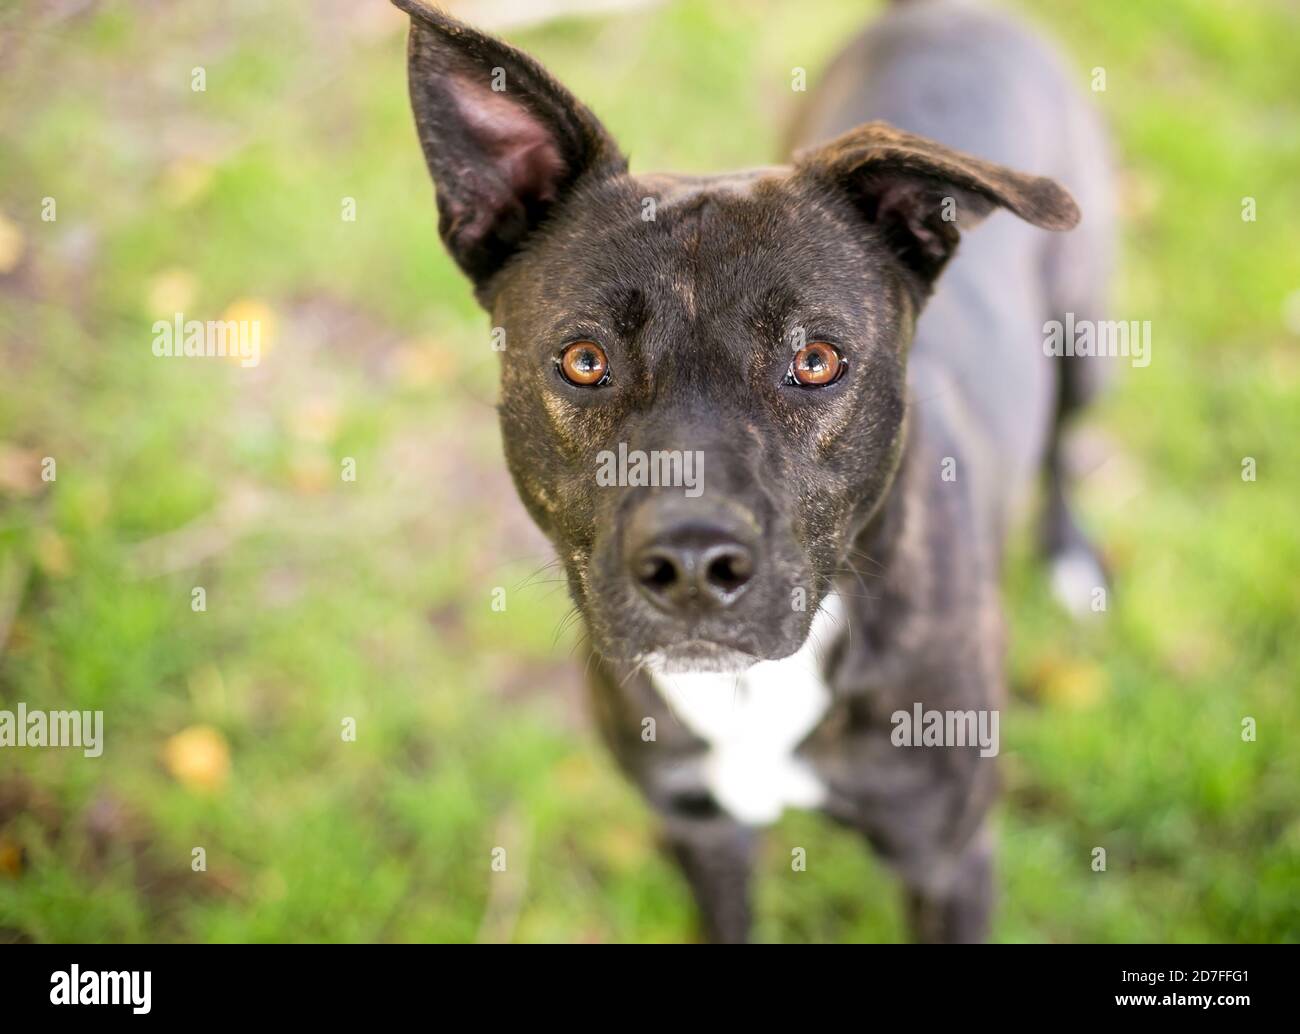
753	721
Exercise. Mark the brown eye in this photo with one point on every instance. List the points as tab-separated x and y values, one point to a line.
816	365
584	363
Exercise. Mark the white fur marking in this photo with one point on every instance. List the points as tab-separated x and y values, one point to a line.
1075	575
753	722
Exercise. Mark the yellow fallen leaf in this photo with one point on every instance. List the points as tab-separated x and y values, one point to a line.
625	847
198	758
170	292
52	554
311	471
20	637
12	244
184	180
257	319
1072	683
576	775
11	858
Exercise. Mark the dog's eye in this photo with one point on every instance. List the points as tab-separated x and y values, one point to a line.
583	363
816	365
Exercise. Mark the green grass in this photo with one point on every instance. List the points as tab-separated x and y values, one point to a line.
372	599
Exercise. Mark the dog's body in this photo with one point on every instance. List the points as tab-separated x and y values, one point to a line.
844	565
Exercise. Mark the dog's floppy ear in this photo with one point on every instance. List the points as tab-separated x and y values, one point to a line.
920	193
503	140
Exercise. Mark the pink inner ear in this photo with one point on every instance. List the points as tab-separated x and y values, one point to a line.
512	140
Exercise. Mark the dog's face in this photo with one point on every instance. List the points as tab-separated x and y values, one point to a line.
703	381
749	343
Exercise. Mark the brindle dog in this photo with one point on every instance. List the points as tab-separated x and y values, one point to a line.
866	428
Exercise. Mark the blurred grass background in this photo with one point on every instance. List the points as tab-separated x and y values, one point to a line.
372	599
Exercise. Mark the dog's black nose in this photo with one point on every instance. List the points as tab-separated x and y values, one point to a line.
692	565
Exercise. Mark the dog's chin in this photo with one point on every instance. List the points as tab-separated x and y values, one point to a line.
698	655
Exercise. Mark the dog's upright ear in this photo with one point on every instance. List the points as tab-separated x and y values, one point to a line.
920	194
503	140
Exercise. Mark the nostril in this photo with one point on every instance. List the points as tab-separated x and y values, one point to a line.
656	571
730	570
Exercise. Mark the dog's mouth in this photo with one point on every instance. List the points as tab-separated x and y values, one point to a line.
700	628
698	655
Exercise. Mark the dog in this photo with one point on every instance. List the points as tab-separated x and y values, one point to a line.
867	431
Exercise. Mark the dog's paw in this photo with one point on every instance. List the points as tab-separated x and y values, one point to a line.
1079	583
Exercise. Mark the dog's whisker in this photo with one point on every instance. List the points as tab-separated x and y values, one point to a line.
550	565
564	624
880	568
640	665
867	593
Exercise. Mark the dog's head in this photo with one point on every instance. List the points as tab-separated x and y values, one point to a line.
703	381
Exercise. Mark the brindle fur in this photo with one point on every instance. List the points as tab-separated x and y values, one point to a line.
696	309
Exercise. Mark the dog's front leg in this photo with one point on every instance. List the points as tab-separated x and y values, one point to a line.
716	856
927	819
922	807
957	909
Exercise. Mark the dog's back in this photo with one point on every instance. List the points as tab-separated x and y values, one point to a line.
974	79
